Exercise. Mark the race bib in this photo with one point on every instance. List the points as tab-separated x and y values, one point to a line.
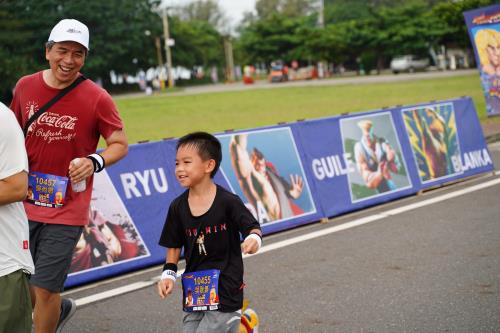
201	290
46	190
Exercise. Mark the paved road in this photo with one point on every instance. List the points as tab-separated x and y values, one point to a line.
430	269
338	80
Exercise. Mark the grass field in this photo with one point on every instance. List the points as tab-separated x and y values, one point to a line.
156	117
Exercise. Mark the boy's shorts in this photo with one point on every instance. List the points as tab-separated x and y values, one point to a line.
211	322
52	247
15	303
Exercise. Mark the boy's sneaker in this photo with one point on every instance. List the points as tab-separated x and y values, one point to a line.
68	308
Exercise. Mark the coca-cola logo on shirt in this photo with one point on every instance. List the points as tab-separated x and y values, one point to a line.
50	126
58	121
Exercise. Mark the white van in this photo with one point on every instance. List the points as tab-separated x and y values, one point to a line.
408	63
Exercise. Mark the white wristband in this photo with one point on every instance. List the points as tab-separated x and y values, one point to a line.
168	274
99	159
257	238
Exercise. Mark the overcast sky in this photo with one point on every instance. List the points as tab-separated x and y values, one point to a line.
233	9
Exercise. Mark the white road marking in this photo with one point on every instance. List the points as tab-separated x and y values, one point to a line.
267	248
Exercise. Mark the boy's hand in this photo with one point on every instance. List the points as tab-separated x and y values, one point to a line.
165	287
249	246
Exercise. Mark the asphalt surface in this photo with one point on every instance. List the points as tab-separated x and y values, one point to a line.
431	269
348	78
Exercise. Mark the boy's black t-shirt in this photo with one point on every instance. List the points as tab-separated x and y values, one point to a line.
219	245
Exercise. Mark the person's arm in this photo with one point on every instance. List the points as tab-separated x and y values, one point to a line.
239	156
393	163
371	178
247	226
166	283
14	166
243	167
116	149
14	188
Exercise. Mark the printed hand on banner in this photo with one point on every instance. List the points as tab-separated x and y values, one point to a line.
296	186
384	170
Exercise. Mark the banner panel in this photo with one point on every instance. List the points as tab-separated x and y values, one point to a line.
446	141
484	31
380	167
264	168
128	208
356	161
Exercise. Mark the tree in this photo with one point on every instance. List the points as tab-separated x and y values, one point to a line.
409	28
380	30
340	11
117	36
266	8
204	10
198	43
18	45
289	8
298	8
451	13
277	37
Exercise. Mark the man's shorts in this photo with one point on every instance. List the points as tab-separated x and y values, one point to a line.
211	322
52	247
15	303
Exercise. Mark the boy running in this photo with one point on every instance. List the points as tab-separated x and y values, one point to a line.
207	221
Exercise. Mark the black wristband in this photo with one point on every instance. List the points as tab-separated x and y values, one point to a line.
98	162
94	162
170	266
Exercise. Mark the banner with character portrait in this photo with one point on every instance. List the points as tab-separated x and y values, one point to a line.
484	31
432	131
265	169
380	167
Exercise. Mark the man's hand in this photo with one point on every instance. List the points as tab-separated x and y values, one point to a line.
82	170
165	288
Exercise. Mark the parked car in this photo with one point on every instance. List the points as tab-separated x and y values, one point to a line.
408	63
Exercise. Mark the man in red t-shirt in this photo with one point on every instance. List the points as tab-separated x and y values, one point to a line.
69	129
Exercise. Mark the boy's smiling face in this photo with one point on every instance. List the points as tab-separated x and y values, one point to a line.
190	168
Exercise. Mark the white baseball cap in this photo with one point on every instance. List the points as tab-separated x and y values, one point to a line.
70	30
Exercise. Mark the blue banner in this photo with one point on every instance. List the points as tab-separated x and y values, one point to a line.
286	175
128	208
484	31
356	161
265	168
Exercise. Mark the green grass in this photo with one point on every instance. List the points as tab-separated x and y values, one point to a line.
157	117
